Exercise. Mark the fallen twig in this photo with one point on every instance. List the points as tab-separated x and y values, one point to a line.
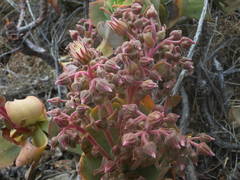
185	111
192	48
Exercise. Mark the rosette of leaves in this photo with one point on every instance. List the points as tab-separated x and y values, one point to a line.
23	131
111	109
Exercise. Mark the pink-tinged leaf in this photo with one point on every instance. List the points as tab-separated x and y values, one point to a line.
95	13
88	164
8	152
31	152
148	103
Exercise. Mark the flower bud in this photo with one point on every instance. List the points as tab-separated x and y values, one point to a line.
148	85
186	42
151	12
101	85
155	116
148	39
61	121
205	138
171	117
150	149
145	61
74	34
80	52
129	139
204	149
161	34
111	66
118	26
63	79
26	112
80	29
130	110
85	97
136	8
81	109
79	84
176	35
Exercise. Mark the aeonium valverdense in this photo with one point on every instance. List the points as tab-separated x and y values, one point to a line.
25	125
119	68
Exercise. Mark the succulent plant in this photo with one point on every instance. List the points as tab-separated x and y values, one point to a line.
120	69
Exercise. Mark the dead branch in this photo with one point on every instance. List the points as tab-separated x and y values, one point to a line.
17	34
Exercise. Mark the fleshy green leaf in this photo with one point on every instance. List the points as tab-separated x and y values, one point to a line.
179	8
109	36
149	173
39	138
53	129
87	166
95	13
99	137
44	126
8	152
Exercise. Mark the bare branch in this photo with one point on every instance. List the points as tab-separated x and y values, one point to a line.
192	48
39	20
22	6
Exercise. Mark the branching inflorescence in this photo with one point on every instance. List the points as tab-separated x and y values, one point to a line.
113	96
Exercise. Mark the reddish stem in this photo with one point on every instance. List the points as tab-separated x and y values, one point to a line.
90	72
91	139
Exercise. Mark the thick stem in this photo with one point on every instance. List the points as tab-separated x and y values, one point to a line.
91	139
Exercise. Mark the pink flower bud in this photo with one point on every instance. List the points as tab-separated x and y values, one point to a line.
100	85
171	117
150	149
148	85
118	26
63	79
74	34
176	35
129	139
111	66
61	121
204	149
145	61
204	137
136	8
151	12
85	97
130	110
